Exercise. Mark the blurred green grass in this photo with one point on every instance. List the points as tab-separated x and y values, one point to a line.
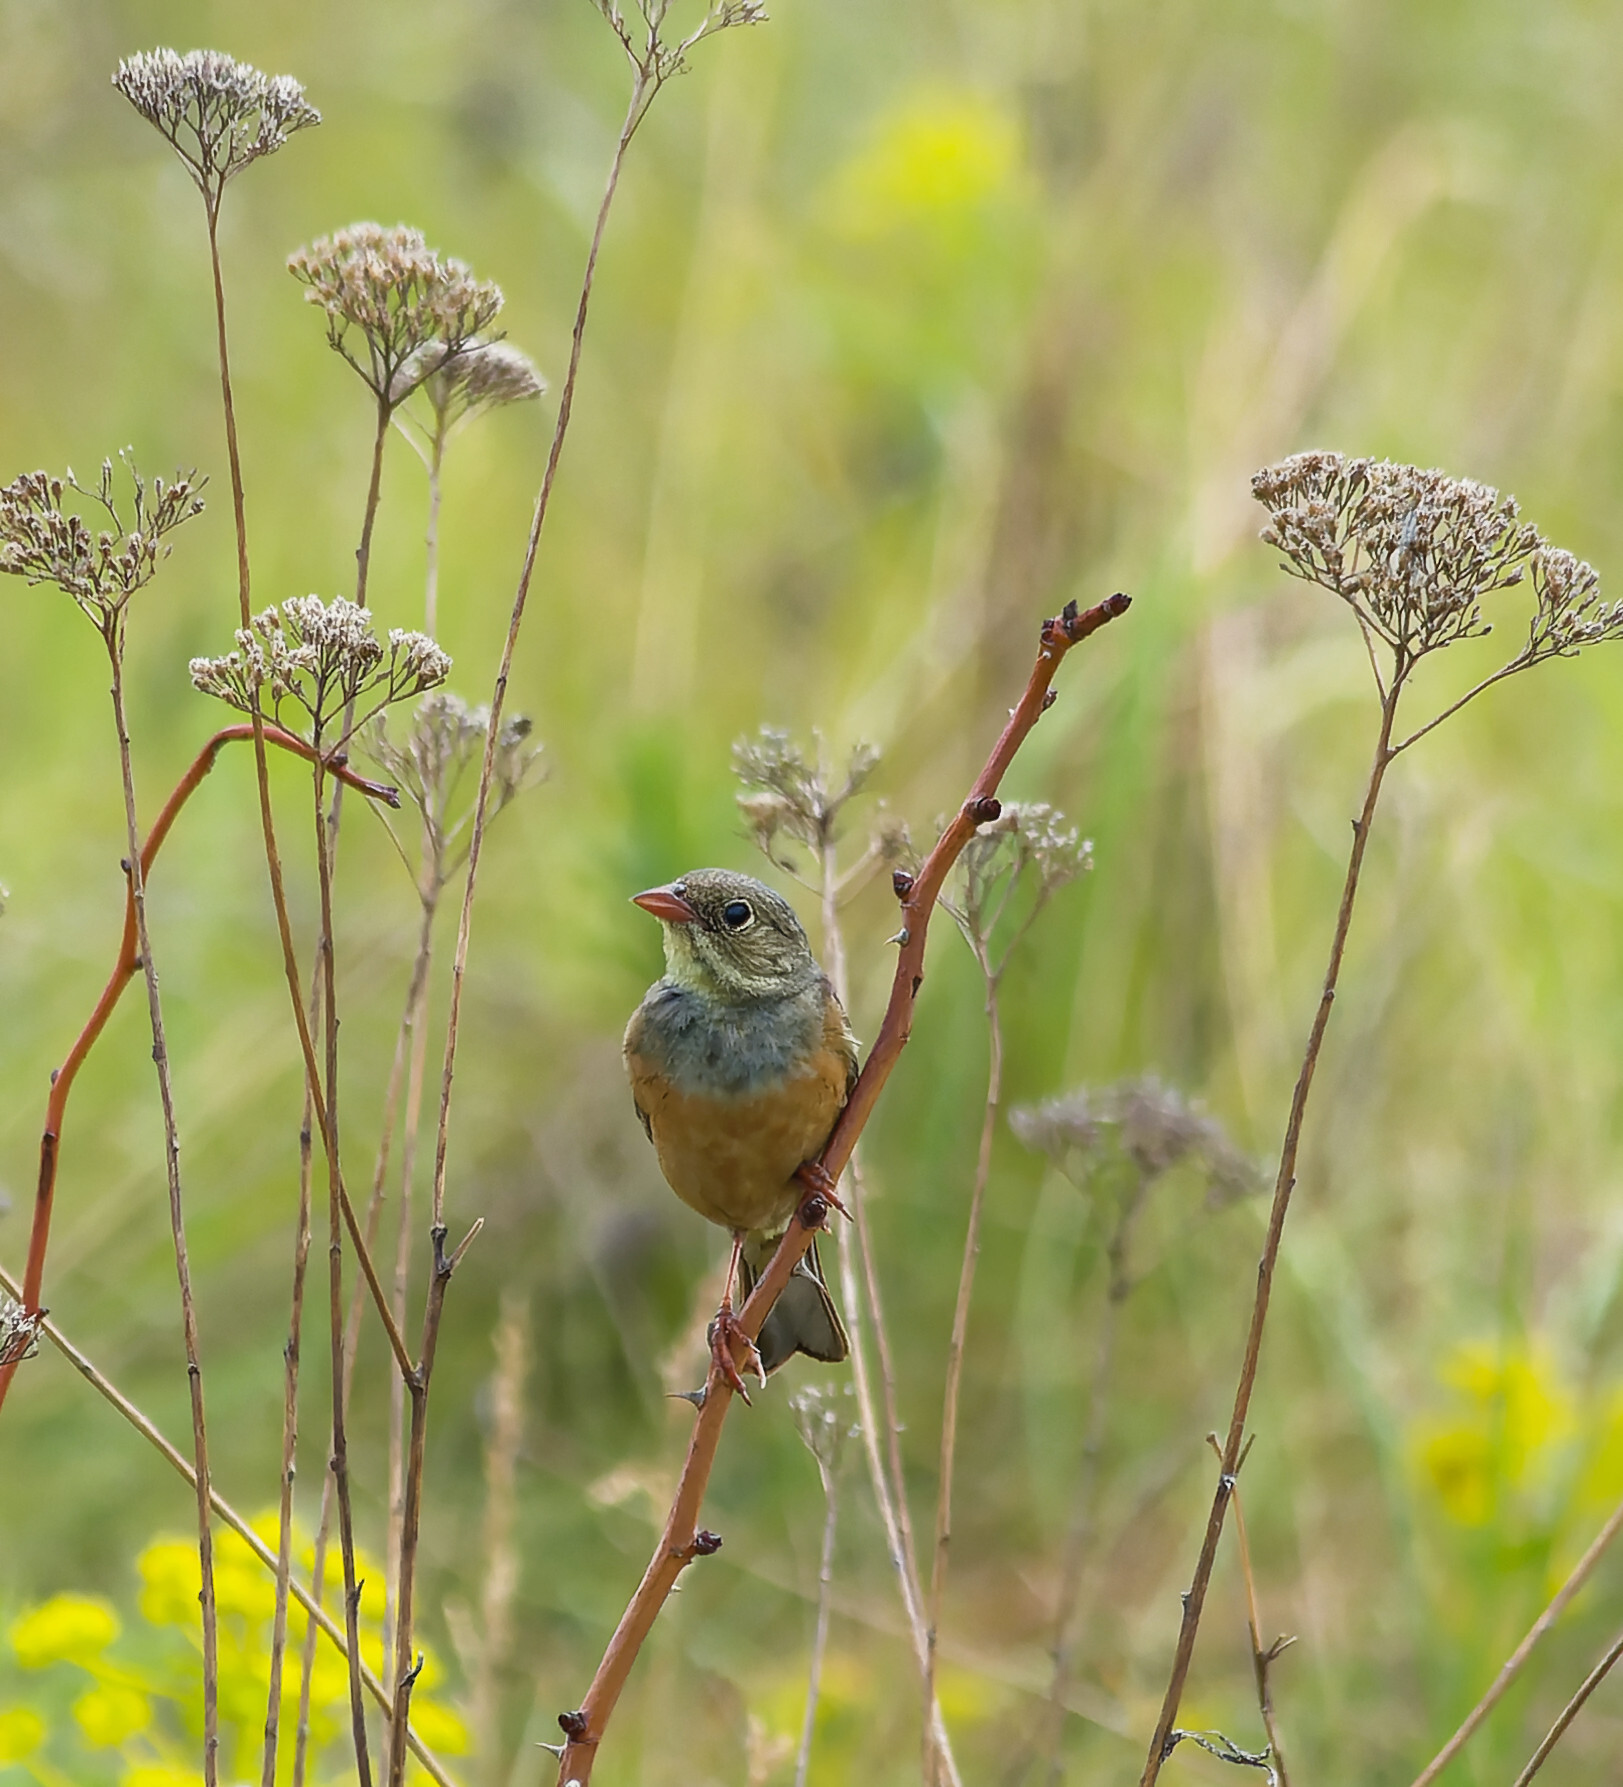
913	322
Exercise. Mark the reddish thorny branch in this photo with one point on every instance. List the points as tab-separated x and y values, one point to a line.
682	1540
124	970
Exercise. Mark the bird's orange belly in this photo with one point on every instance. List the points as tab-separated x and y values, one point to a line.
733	1159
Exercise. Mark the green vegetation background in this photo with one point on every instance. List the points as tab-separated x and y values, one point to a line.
913	322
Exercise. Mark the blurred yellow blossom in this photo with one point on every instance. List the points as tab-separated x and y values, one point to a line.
159	1774
171	1582
1517	1414
110	1713
21	1734
65	1629
935	157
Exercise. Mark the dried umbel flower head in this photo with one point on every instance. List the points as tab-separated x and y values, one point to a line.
1415	553
1143	1122
415	310
19	1331
441	753
488	375
217	113
785	791
45	539
654	59
1028	842
325	658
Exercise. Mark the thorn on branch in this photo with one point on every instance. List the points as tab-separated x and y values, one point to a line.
573	1725
1049	699
901	882
706	1543
986	809
814	1212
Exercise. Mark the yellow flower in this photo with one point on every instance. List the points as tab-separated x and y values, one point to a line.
938	156
21	1734
110	1713
1458	1462
172	1580
65	1629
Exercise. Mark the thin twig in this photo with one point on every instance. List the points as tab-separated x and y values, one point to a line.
680	1542
335	1284
889	1486
110	1393
114	636
123	972
1194	1601
1263	1657
500	1558
960	1324
828	1472
1516	1661
1570	1712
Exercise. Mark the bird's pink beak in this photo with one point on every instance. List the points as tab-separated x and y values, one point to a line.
666	903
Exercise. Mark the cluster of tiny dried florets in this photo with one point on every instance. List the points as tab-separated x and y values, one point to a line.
654	59
325	658
787	793
1024	835
1416	552
485	376
415	309
445	741
218	113
1149	1125
44	540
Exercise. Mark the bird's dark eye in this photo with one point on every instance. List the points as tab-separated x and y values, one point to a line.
736	914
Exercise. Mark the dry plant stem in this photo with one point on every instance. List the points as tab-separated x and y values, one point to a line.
335	1285
1570	1712
890	1490
228	1515
177	1223
363	552
960	1329
825	1585
290	1437
412	1025
1195	1600
1517	1660
1263	1657
639	96
431	537
678	1542
123	972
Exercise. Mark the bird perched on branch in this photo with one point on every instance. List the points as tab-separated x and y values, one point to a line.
740	1061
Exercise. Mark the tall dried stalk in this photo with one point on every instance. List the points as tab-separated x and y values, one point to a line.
1413	554
824	1428
992	874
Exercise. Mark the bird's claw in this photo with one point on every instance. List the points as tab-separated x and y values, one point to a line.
723	1331
819	1183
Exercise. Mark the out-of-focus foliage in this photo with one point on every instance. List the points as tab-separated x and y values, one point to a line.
914	321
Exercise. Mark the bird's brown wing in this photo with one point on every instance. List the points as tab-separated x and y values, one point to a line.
837	1037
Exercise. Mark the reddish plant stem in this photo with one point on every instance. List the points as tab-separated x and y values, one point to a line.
124	969
1195	1600
680	1542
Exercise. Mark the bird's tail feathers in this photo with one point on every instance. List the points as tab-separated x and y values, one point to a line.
804	1319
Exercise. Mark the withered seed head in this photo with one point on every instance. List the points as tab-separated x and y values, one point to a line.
218	114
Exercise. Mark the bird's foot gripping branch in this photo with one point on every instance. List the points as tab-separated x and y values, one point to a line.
681	1539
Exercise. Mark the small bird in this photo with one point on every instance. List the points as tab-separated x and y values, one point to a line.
740	1061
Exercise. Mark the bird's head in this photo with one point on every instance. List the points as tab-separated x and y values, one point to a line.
730	937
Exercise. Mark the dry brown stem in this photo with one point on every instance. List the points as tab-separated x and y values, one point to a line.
1516	1661
123	972
109	1392
884	1474
680	1541
1163	1742
1570	1712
